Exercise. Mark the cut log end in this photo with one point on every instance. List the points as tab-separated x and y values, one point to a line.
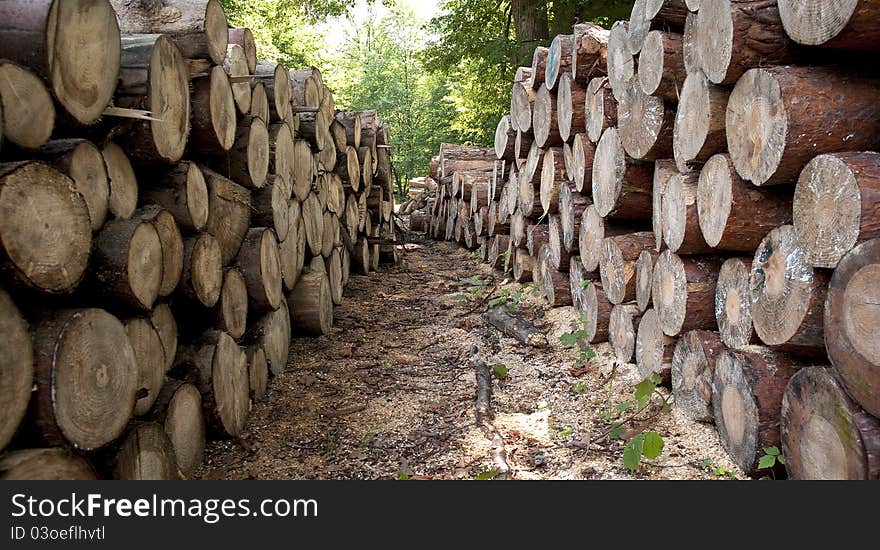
693	368
16	368
733	306
28	110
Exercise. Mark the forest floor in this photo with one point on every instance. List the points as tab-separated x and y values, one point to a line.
390	393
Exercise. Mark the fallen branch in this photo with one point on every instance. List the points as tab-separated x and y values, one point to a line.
483	406
515	327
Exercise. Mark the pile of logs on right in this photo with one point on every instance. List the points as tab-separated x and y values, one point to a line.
701	183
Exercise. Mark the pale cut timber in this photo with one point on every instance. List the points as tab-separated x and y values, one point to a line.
617	264
825	434
293	248
596	310
271	206
231	310
592	232
577	281
245	38
16	368
127	263
735	215
693	5
621	63
661	65
559	256
202	276
198	27
693	368
788	296
645	278
258	373
163	321
351	121
733	36
583	153
589	52
779	118
235	65
571	210
311	305
153	76
85	376
646	123
333	266
663	171
622	187
28	110
652	14
307	87
733	303
559	58
259	102
55	464
123	181
212	113
699	129
522	266
571	107
836	205
172	245
521	105
229	213
622	329
281	152
847	24
72	44
313	221
258	261
552	178
601	108
851	322
180	189
275	77
683	292
539	67
505	139
747	390
555	284
272	333
654	349
150	359
545	121
304	170
689	50
681	226
179	409
247	162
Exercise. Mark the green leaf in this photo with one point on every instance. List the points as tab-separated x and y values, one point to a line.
487	475
569	339
625	406
589	353
565	433
585	283
500	371
402	476
772	451
719	471
616	431
781	459
656	379
653	445
766	461
632	453
497	302
644	390
458	297
705	464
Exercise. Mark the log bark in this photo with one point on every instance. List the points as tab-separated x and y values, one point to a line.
735	215
559	60
684	292
621	63
28	110
55	464
788	296
182	191
596	310
272	333
646	123
179	411
693	369
313	223
661	65
654	349
311	305
680	218
16	368
307	87
123	181
127	263
593	230
545	119
837	205
554	283
622	329
212	113
245	39
848	25
63	42
779	118
351	121
617	264
700	130
747	390
539	67
733	304
537	236
82	356
202	277
515	327
247	162
622	187
229	213
601	108
589	52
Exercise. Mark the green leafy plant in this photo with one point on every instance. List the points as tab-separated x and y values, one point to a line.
501	371
401	476
564	433
771	457
585	283
509	299
649	445
487	475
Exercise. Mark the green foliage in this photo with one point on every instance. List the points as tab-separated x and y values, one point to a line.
402	476
487	475
585	283
565	433
771	457
501	371
508	298
648	445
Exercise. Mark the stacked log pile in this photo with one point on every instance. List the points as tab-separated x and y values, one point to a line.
701	182
172	212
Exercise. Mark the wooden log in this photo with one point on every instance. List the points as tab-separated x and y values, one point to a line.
258	373
16	368
498	251
552	179
733	214
171	242
699	129
596	310
545	120
179	411
521	105
836	205
505	139
622	328
127	263
334	274
654	349
247	162
689	50
163	321
330	236
824	433
149	356
311	306
577	279
559	60
747	390
123	181
847	25
537	236
73	45
271	206
684	292
55	464
583	153
617	264
601	108
153	76
522	266
734	36
229	213
850	323
271	332
559	256
663	171
304	170
231	311
680	218
182	191
571	107
646	123
733	305
202	277
621	63
281	151
661	65
212	113
275	78
236	66
645	278
554	283
539	67
351	121
591	234
82	356
307	86
779	118
28	110
693	5
622	187
693	369
571	211
648	14
589	52
245	38
788	296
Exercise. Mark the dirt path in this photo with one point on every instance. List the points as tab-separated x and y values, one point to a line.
390	393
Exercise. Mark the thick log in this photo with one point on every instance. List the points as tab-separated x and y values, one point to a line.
272	333
661	65
689	50
334	274
537	236
313	223
247	162
779	118
212	113
735	215
153	76
258	373
571	107
182	191
307	87
648	14
245	38
123	181
596	310
311	305
851	323
166	326
271	206
693	369
645	278
522	103
683	292
82	356
545	119
577	279
539	67
621	63
747	390
848	25
571	211
622	328
601	108
559	256
788	296
522	265
617	264
498	251
229	213
127	263
179	411
172	246
646	123
149	356
654	349
281	151
16	368
622	187
559	60
700	130
236	66
554	283
202	277
28	110
304	171
552	179
275	77
680	218
351	121
663	170
583	153
837	205
733	304
231	311
825	434
74	45
589	52
592	231
55	464
515	327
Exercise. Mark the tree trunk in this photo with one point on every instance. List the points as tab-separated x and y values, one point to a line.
271	206
202	276
123	181
621	63
596	310
645	278
231	311
681	224
229	213
522	103
825	434
654	349
311	305
245	39
661	65
539	67
837	205
747	391
552	179
28	110
571	104
617	264
700	130
593	230
236	66
735	215
275	77
788	296
601	108
589	52
127	263
64	43
530	23
182	191
45	464
622	187
780	118
684	292
293	249
733	304
545	121
149	356
559	58
554	283
693	368
247	162
213	114
16	368
146	453
505	139
272	333
171	243
179	411
622	328
646	123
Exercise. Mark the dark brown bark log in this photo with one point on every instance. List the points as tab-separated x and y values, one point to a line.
539	66
146	453
182	191
123	181
245	38
522	265
231	311
247	162
589	52
127	263
554	283
514	326
572	205
150	359
275	77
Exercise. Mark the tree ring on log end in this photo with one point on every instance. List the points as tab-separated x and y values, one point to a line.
691	120
145	264
609	168
733	304
715	38
223	119
670	292
644	279
714	199
815	22
861	306
28	110
169	99
736	413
